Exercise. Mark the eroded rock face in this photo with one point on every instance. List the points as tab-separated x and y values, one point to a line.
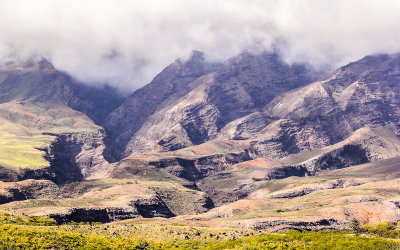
88	151
286	225
72	157
184	201
139	208
349	155
240	87
96	214
188	168
151	207
8	175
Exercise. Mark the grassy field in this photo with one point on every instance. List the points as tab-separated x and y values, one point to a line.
18	147
21	132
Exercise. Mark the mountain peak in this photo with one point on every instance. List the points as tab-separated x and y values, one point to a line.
45	64
193	56
32	64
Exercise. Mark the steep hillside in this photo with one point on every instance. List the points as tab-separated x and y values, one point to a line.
239	88
348	119
37	81
170	84
300	120
48	123
251	143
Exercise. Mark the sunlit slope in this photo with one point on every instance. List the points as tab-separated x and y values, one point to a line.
39	103
24	127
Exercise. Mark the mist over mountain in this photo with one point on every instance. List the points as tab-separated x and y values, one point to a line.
126	43
215	119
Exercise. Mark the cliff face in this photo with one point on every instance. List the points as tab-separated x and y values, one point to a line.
76	156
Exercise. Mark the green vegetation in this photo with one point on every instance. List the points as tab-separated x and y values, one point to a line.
356	227
37	232
8	218
12	236
21	131
295	240
383	229
18	150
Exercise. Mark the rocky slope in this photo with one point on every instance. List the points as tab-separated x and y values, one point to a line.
253	140
38	82
308	118
170	84
48	123
348	119
239	88
50	132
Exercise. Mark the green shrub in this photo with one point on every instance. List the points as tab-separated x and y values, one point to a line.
356	227
293	240
382	229
17	236
6	218
41	221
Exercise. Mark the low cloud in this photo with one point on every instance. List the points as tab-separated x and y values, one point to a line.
127	42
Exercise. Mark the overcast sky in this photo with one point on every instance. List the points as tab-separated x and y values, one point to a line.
125	43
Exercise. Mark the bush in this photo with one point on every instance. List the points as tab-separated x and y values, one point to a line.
356	227
41	221
382	229
16	237
6	218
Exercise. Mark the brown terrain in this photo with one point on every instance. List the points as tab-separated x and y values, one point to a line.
249	143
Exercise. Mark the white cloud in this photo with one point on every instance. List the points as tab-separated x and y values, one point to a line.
127	42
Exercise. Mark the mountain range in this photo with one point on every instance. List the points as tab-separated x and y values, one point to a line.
252	142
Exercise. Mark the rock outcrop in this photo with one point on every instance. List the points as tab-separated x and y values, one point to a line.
307	189
77	156
103	215
286	225
28	189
